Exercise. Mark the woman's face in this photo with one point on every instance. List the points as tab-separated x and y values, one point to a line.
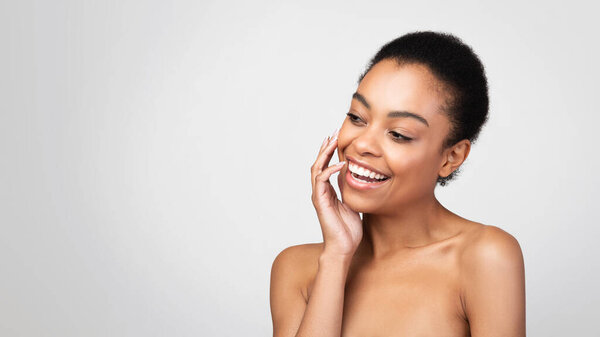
373	135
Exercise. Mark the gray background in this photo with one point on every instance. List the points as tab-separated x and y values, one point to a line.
155	155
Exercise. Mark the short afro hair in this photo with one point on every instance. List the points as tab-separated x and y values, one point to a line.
456	66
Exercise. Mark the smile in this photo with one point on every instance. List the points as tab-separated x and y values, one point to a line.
365	175
362	178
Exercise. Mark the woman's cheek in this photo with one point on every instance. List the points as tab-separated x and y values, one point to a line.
340	150
342	144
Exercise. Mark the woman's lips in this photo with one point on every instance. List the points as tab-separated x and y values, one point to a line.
359	167
361	185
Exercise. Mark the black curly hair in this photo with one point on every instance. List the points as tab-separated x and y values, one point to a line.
460	71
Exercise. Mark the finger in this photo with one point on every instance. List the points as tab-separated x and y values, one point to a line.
318	165
313	168
326	154
325	141
322	179
323	186
326	174
323	160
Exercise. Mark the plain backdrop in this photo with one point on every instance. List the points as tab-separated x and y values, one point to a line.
155	155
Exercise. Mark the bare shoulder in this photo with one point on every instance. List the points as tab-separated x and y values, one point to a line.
493	283
300	262
302	250
289	274
300	256
487	243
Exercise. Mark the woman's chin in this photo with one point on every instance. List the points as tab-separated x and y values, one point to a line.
356	199
358	204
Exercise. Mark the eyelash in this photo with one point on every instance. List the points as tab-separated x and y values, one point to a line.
398	137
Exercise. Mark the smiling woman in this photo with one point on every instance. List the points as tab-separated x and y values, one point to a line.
409	266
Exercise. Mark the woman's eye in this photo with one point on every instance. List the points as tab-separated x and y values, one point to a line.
399	137
353	118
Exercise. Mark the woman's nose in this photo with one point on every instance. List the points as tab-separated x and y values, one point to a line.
368	143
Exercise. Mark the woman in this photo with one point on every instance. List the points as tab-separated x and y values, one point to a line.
409	267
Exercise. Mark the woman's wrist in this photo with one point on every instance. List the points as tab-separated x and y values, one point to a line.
327	258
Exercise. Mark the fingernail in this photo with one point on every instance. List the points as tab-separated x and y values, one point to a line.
324	141
341	163
337	132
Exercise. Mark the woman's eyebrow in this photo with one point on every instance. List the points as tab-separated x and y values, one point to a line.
391	114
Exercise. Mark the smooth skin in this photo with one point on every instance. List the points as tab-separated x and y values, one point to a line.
410	267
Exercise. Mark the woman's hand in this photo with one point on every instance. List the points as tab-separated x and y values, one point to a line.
341	226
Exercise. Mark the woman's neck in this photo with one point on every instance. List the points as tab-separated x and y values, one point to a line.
419	225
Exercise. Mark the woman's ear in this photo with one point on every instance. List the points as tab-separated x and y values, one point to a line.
454	157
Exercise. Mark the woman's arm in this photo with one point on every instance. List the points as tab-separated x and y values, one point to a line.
342	232
286	299
323	315
494	285
290	313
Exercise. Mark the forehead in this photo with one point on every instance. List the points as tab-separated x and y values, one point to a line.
389	86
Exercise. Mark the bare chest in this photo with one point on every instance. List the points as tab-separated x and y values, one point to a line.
410	297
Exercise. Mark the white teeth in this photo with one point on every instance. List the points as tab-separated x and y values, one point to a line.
361	171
